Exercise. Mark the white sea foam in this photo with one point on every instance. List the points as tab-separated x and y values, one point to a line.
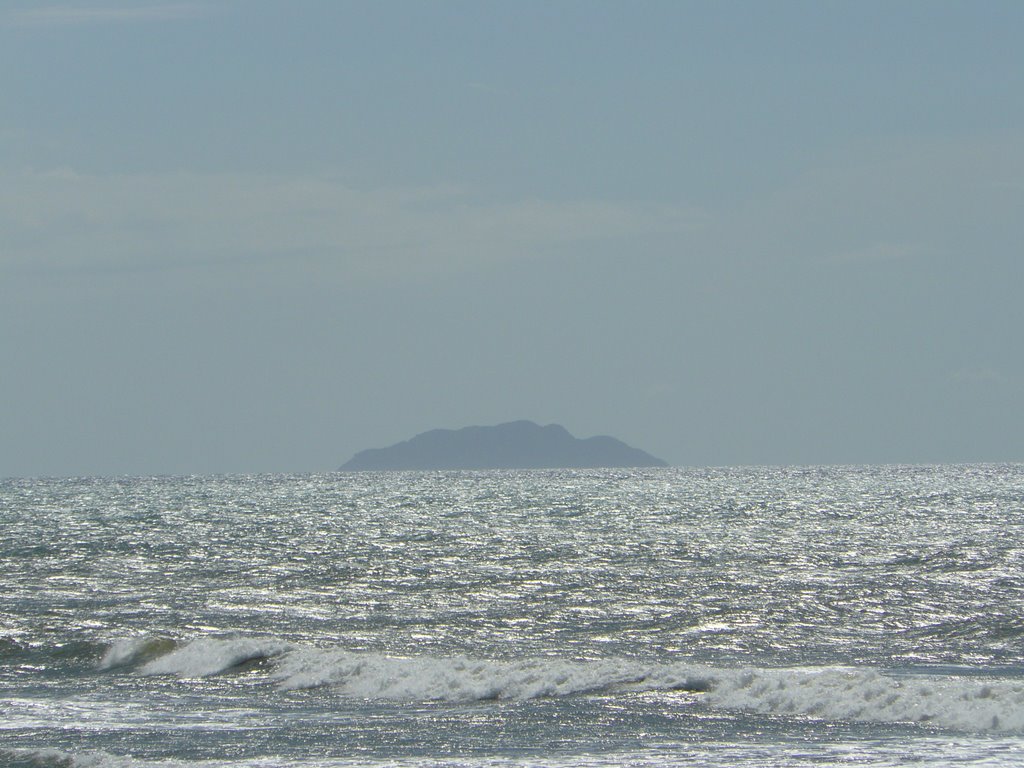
56	758
961	703
867	695
212	656
374	676
988	752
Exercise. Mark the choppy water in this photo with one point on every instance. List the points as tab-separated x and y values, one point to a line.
733	617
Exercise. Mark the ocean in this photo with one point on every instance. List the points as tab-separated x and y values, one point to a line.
803	616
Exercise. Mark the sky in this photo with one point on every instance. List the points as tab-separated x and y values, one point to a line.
255	236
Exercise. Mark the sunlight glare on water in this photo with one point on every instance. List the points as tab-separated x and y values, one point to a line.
604	617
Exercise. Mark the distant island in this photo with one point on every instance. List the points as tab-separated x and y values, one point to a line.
515	445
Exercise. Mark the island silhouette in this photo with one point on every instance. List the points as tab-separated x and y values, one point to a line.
513	445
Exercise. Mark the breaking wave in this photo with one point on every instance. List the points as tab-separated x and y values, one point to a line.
202	657
967	703
56	758
133	650
960	703
457	679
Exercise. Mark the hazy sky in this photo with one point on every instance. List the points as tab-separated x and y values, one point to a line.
250	236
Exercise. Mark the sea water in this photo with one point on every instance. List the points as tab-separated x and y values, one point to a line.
818	616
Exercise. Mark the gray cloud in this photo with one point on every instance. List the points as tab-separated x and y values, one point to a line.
63	219
68	15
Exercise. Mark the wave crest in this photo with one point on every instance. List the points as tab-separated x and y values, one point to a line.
201	657
213	656
55	758
959	703
865	695
459	679
134	650
966	703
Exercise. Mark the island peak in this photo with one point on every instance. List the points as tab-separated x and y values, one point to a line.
512	445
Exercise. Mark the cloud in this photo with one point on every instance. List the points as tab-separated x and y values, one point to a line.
67	15
899	202
877	252
979	377
485	88
60	219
